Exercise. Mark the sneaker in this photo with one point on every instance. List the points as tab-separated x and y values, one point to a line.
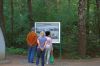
36	65
47	63
31	62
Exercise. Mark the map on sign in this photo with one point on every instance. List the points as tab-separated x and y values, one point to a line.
53	27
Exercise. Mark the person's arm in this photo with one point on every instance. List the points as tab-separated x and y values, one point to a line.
38	42
27	39
51	44
45	44
39	45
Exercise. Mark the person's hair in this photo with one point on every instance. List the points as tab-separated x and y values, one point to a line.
42	33
32	29
47	33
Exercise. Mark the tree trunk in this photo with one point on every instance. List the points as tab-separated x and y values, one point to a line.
69	3
30	13
82	27
58	2
2	35
98	16
47	4
87	21
12	20
2	22
87	17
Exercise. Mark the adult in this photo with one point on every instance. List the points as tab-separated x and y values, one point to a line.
49	47
32	44
41	48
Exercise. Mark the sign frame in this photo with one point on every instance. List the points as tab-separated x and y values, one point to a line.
53	27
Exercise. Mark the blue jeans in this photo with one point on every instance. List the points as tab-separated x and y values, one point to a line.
40	54
31	53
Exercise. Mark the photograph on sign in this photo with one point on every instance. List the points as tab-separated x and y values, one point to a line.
53	27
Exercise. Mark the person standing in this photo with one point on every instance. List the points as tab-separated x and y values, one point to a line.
49	47
41	48
32	44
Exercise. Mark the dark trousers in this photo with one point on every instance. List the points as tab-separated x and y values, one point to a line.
40	54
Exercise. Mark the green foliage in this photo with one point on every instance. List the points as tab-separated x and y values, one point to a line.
21	24
46	10
17	51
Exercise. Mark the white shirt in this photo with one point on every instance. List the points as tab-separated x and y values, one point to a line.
49	42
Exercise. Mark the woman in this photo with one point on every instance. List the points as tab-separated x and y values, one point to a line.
48	46
41	48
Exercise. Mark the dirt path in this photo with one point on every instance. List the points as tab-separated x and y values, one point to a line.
22	61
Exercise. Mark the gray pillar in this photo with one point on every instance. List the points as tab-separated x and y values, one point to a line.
2	45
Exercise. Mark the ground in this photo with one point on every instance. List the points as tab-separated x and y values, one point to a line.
16	60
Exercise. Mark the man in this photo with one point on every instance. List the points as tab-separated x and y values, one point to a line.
32	43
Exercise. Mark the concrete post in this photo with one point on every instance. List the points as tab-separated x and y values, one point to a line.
2	45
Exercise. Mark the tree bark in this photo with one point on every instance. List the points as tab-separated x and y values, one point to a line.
98	16
2	35
58	2
69	3
30	13
2	22
47	4
82	27
87	17
87	21
12	20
